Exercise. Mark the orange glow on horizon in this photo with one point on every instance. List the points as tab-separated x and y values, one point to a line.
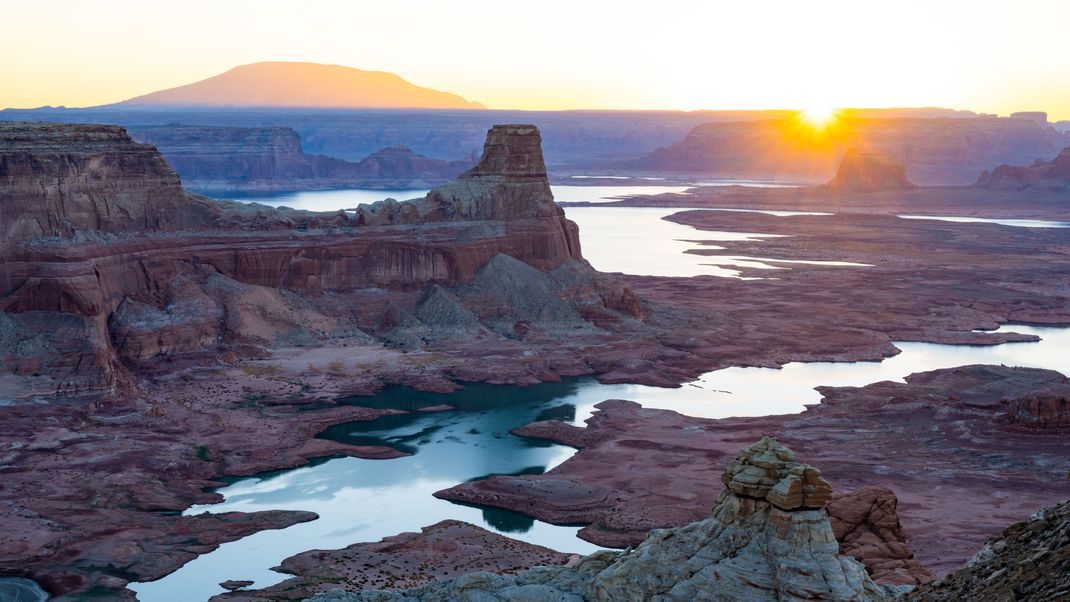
626	54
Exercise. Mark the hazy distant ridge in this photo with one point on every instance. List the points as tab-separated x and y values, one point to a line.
312	85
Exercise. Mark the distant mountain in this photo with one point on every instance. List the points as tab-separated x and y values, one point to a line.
307	85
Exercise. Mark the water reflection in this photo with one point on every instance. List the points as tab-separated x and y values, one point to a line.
327	200
365	500
636	240
1020	223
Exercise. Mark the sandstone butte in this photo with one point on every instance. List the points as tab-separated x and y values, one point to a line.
108	262
868	171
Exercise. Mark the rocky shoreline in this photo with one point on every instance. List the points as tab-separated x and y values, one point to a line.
214	340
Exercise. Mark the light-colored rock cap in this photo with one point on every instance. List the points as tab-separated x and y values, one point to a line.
768	471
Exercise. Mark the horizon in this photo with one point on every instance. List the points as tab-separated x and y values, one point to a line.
991	57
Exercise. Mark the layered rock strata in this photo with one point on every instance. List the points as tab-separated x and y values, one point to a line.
139	269
233	159
61	180
767	538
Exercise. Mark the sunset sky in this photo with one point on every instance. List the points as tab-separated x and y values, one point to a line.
994	56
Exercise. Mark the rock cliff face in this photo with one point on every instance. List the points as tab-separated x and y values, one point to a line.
934	151
187	275
1029	561
1045	175
57	180
767	538
866	523
868	171
224	159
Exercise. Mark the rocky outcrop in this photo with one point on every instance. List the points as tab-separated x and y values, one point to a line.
509	182
934	151
767	538
145	271
866	524
1045	410
1042	175
868	171
1030	560
59	180
948	431
233	159
445	550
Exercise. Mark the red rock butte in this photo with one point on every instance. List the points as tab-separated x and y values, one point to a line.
110	260
306	85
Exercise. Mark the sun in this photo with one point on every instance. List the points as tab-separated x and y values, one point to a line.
818	116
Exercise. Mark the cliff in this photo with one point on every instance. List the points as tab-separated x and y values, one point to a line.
868	171
226	159
767	538
1043	175
57	180
935	151
145	271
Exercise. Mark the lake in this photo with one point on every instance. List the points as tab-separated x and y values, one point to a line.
365	500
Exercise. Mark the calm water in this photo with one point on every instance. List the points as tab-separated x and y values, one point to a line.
333	200
1021	223
365	500
636	240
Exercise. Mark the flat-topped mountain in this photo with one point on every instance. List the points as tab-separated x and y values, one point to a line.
304	85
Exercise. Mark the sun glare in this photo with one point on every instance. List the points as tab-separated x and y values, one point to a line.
818	116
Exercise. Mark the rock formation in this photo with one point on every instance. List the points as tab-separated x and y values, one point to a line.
233	159
1043	175
445	550
1030	560
868	171
866	524
59	180
767	538
952	433
934	151
143	270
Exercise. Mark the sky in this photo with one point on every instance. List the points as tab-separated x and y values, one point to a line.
989	56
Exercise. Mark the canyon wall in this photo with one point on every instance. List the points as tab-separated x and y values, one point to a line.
108	263
573	140
59	180
933	151
226	159
1042	175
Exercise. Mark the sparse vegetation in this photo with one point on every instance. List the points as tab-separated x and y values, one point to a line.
260	369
